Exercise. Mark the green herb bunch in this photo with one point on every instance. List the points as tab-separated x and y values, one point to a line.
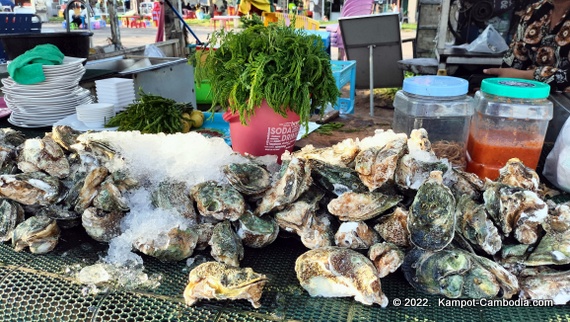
287	67
151	114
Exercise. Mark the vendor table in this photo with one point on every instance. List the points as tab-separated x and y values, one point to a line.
33	288
460	56
224	21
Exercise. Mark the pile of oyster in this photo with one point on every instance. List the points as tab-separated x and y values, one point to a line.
363	208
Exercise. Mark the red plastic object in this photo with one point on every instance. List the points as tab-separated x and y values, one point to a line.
266	132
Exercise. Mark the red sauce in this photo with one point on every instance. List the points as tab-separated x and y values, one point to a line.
486	155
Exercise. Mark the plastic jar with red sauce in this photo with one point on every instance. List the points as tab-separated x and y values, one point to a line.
510	121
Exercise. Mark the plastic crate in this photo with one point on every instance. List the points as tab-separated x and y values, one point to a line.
344	72
16	23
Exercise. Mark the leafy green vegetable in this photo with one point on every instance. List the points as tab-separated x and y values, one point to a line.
287	67
328	128
151	114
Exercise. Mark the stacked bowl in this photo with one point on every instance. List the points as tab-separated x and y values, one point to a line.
95	115
117	91
42	104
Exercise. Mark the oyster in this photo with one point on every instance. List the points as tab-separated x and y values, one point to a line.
386	257
454	273
173	245
64	217
101	225
318	231
356	235
90	188
218	281
339	154
297	215
464	183
295	179
174	195
220	201
65	136
336	179
554	247
45	155
226	244
376	165
204	231
415	167
340	272
11	138
393	227
474	225
11	214
352	206
32	189
257	232
515	209
516	174
547	285
109	198
39	233
431	219
248	178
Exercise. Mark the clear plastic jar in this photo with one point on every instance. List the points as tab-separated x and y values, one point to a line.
441	106
510	121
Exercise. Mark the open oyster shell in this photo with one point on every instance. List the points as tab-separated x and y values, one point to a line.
218	281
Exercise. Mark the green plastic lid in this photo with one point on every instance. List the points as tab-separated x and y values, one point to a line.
515	88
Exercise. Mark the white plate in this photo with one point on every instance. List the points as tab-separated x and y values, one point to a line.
76	124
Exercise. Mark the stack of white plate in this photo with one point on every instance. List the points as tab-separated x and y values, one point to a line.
117	91
95	115
43	104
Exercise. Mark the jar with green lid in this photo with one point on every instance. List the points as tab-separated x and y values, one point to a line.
441	106
510	121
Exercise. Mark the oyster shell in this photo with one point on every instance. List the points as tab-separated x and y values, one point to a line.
547	285
340	272
65	136
339	154
218	281
173	245
352	206
11	138
453	273
318	231
11	214
393	227
45	155
204	231
415	167
109	198
294	217
516	174
295	179
474	225
64	217
39	233
32	189
554	247
226	244
515	210
387	258
257	232
248	178
431	219
220	201
377	165
356	235
464	183
336	179
175	195
90	188
101	225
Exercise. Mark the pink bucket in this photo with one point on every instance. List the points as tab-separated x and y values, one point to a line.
266	132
